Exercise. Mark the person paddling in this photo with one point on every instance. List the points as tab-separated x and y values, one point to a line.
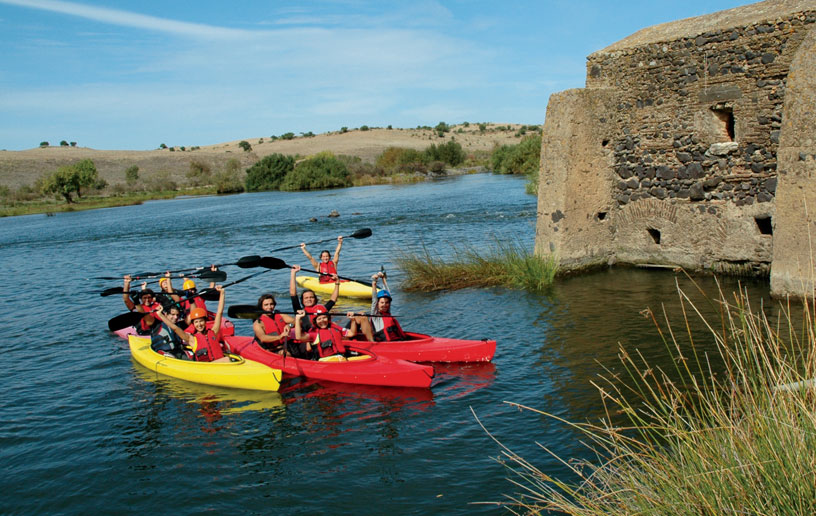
205	343
327	266
308	299
272	330
165	341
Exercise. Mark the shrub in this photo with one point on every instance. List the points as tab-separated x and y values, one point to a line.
268	173
161	181
442	128
199	173
364	128
343	129
73	144
63	143
359	168
183	148
389	127
229	180
400	159
450	152
162	146
245	145
287	136
323	170
44	144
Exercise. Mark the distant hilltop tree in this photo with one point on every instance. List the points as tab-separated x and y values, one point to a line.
44	144
162	145
63	143
245	145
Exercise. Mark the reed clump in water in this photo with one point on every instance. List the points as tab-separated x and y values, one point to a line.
504	264
701	438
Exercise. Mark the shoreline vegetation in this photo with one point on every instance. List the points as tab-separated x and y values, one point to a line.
319	162
731	431
505	264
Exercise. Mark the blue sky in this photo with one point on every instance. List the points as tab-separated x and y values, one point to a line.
134	74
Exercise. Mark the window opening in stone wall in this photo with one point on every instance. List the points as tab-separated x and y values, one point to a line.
764	224
604	142
601	215
726	117
655	234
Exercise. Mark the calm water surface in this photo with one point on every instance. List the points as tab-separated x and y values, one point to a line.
86	429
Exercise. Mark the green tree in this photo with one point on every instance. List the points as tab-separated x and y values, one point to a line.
87	176
63	143
229	180
245	145
287	136
73	144
343	129
44	144
364	128
268	173
162	145
62	182
323	170
199	174
441	128
132	175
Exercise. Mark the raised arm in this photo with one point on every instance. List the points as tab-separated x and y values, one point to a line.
337	251
183	335
336	291
220	311
126	294
309	256
292	282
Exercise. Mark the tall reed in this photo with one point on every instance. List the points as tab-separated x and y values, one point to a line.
738	437
506	264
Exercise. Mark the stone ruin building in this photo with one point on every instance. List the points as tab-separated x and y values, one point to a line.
692	144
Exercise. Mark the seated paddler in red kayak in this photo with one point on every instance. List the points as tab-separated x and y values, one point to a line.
272	330
147	304
383	325
308	299
325	338
205	344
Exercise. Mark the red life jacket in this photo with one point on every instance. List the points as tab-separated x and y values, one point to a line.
328	341
391	329
326	269
273	325
207	347
144	328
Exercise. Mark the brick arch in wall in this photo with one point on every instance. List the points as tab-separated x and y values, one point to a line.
794	247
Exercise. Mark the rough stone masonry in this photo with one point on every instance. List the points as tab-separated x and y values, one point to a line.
692	144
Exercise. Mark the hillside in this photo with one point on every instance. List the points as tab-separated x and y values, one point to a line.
18	168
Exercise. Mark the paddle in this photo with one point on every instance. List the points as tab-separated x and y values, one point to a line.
132	318
216	276
277	263
267	262
360	233
245	262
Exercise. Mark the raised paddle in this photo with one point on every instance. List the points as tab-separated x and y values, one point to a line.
216	276
360	233
132	318
268	262
245	262
277	263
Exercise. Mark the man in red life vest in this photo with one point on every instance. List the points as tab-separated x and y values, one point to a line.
383	325
272	329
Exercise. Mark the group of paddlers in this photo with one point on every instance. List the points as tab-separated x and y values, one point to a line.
309	334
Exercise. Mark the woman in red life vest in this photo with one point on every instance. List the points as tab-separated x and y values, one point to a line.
147	304
272	329
325	338
205	343
384	326
326	267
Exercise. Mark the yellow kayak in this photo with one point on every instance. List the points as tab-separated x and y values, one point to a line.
241	374
347	288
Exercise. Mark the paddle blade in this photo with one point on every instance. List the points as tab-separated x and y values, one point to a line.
361	233
217	276
112	291
248	262
209	295
124	320
270	262
244	311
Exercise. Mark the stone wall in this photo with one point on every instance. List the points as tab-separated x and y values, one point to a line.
674	157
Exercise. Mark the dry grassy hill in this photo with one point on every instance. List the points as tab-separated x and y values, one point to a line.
18	168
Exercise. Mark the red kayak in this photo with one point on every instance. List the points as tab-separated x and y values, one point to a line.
366	369
424	348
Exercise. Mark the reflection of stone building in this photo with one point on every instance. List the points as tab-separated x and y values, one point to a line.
692	144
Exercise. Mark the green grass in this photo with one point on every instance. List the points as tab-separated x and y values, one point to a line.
692	441
11	209
505	264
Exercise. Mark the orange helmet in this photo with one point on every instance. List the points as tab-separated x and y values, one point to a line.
198	313
188	285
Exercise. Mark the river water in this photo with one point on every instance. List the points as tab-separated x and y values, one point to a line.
86	429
